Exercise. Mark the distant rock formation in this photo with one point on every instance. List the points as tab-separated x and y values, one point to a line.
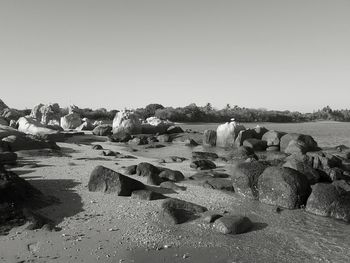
126	121
46	113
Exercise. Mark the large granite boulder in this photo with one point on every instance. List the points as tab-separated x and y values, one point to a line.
245	176
171	175
102	130
203	165
71	121
3	121
255	144
329	200
31	126
297	143
273	138
128	122
283	187
302	164
209	138
244	135
227	134
46	113
103	179
176	211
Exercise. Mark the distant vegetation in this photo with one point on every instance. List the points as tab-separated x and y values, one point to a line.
207	113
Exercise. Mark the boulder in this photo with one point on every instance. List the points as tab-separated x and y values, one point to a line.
204	175
154	179
146	195
259	132
227	134
210	216
209	138
102	130
70	121
2	105
273	138
255	144
204	156
130	170
26	142
329	200
164	138
120	136
233	224
103	179
46	113
11	114
97	147
146	169
242	153
30	126
126	121
245	177
244	135
172	175
302	164
155	125
176	211
305	141
174	129
13	124
283	187
85	126
203	165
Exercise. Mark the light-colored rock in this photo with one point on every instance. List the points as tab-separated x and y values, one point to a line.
227	133
28	125
46	113
126	121
70	121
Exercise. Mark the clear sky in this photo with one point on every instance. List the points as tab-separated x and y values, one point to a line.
274	54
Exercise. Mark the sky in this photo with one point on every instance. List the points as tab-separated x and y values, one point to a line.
274	54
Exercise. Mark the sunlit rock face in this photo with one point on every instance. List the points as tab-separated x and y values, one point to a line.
31	126
126	121
227	133
46	114
154	125
71	121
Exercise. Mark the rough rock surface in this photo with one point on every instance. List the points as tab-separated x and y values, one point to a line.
126	121
233	224
209	138
71	121
227	134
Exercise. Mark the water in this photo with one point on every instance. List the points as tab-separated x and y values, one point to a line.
327	134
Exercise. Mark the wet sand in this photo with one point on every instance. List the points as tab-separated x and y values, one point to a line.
108	228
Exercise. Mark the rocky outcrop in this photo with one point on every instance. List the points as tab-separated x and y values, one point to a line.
30	126
283	187
273	138
126	121
171	175
255	144
203	165
46	113
2	105
245	176
103	179
329	200
297	143
227	134
102	130
204	156
70	121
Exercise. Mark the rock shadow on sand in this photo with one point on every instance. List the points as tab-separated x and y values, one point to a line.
68	204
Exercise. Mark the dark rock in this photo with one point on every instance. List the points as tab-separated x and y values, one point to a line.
97	147
204	156
36	220
255	144
172	175
102	130
296	147
105	180
203	165
272	158
302	164
283	187
245	178
260	131
233	224
109	153
172	185
120	136
155	146
174	159
26	142
210	216
306	142
273	138
209	138
174	129
8	158
346	165
343	184
138	141
219	184
329	200
146	195
146	169
242	153
176	211
244	135
154	179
